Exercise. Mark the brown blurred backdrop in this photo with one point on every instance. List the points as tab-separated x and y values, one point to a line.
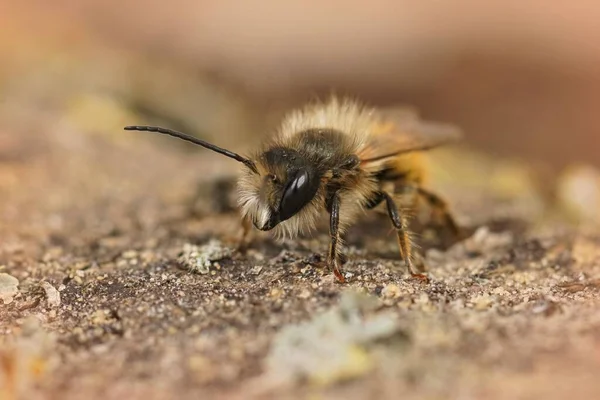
522	78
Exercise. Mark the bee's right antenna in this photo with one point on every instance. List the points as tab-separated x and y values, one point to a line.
247	162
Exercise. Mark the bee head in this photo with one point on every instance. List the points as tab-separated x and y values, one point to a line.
282	189
276	187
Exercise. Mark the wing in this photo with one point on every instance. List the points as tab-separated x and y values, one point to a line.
400	130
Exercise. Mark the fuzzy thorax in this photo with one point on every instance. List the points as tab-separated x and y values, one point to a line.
320	136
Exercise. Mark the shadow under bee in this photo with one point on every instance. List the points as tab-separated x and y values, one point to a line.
372	231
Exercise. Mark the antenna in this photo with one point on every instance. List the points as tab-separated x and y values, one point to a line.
188	138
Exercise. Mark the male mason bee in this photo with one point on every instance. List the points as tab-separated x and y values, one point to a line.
339	157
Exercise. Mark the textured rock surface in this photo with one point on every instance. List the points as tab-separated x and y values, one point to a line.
97	231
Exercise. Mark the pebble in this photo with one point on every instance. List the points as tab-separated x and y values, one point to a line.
8	287
390	291
52	295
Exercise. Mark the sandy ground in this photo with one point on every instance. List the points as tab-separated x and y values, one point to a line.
99	231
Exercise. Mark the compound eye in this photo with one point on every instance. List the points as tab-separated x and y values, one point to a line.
297	194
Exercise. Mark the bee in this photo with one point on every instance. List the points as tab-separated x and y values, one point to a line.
338	157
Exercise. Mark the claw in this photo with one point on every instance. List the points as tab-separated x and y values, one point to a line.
421	277
339	275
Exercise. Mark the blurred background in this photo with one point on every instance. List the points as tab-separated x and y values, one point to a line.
521	78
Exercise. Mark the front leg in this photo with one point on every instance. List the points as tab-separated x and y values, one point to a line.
244	240
334	258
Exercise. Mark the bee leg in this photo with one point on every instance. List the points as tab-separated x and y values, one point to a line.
374	201
401	225
440	207
244	241
334	258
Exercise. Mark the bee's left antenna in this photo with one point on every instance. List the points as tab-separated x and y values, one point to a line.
188	138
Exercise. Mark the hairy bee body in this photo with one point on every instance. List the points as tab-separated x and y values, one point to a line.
330	153
333	140
336	158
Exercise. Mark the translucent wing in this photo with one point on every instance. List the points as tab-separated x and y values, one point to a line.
400	130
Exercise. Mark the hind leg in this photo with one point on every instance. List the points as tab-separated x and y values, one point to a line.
400	223
438	206
440	209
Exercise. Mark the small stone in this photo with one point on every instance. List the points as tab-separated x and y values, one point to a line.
201	258
8	287
257	255
100	317
391	291
52	295
546	308
482	241
482	302
129	254
256	270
